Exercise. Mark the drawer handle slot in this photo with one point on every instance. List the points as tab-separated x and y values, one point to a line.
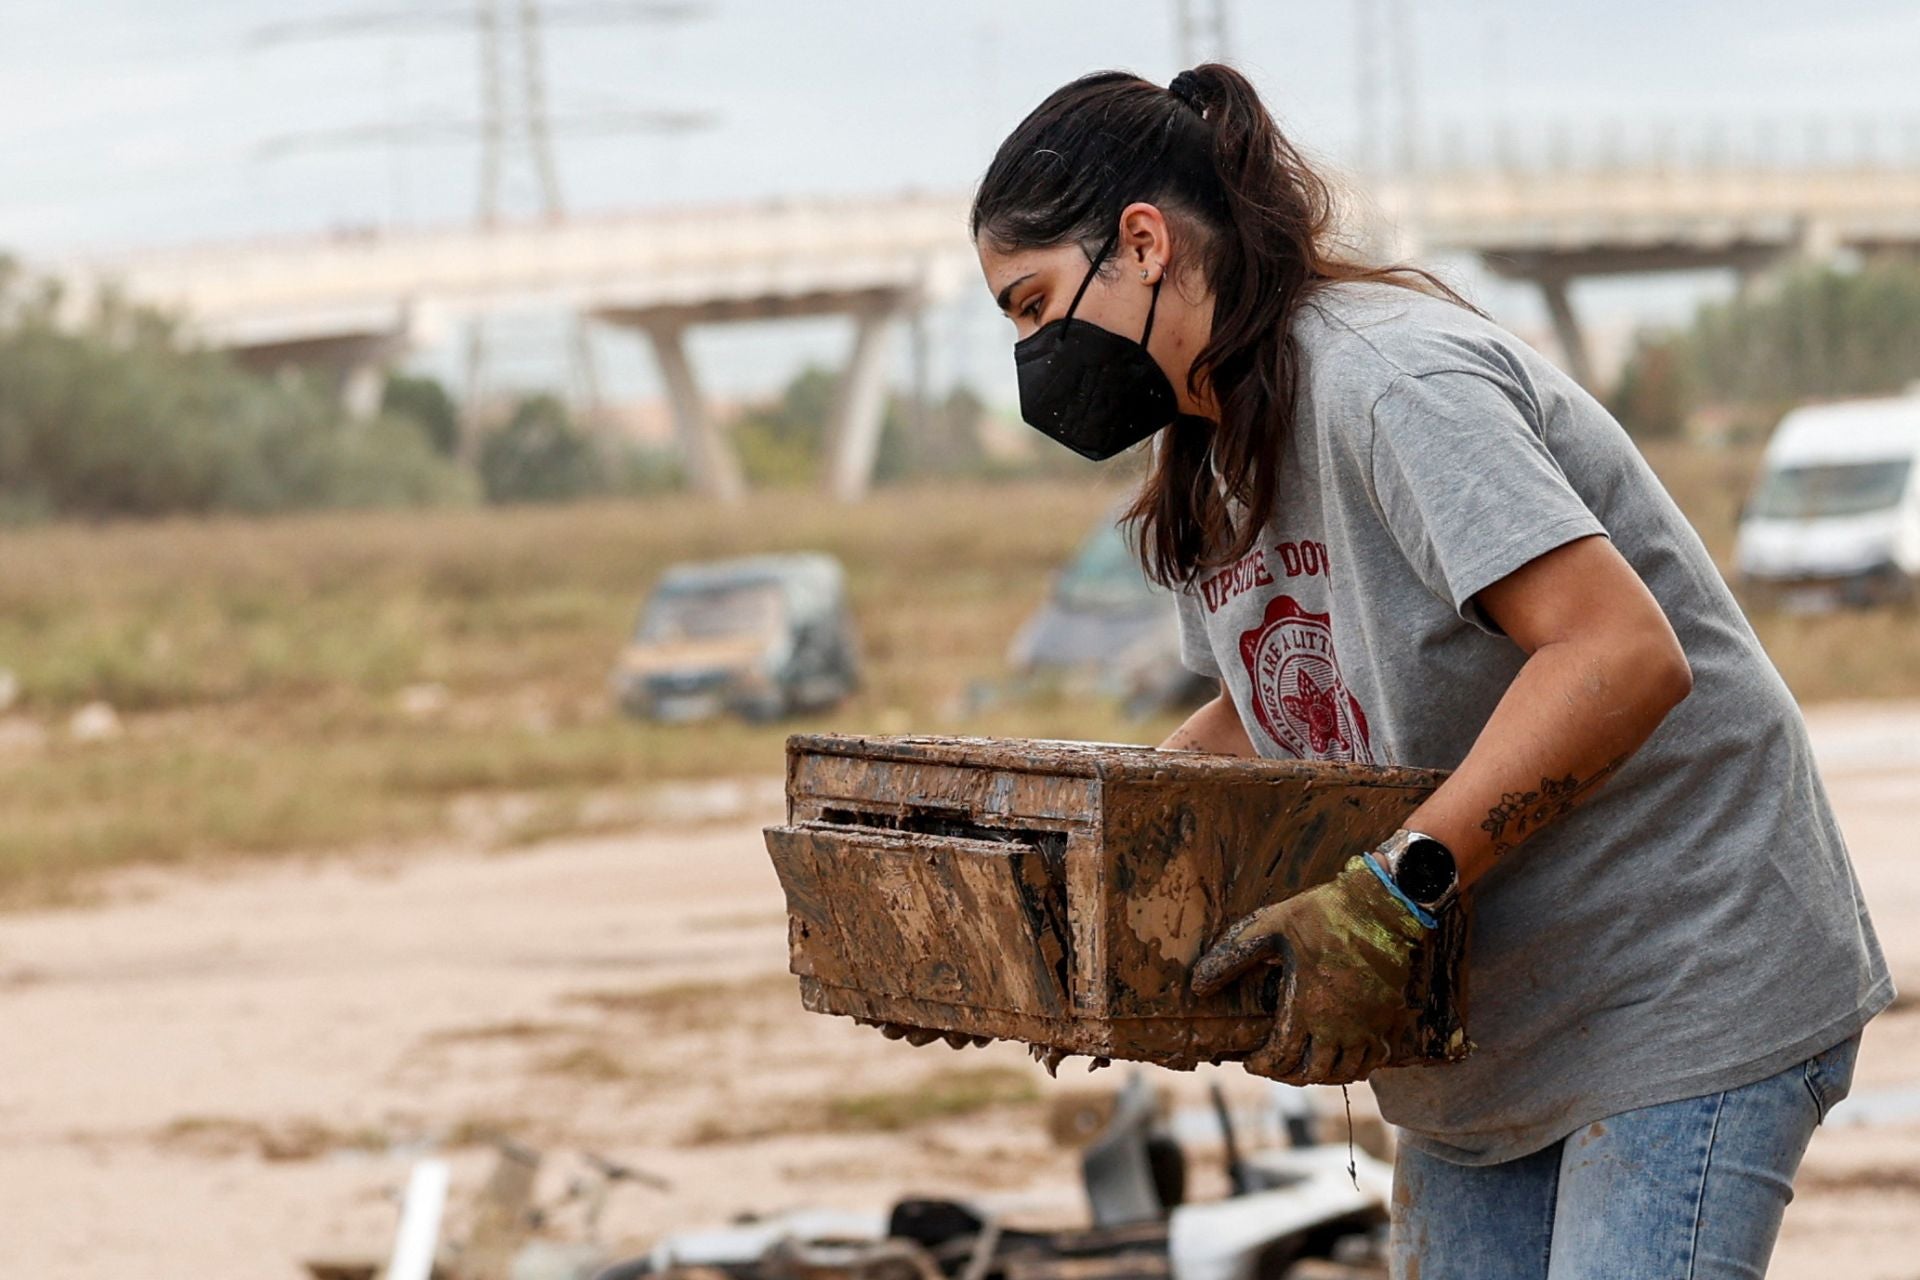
949	822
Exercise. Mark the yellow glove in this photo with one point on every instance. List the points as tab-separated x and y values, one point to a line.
1347	949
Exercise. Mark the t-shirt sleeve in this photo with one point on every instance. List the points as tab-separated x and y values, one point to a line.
1196	652
1466	484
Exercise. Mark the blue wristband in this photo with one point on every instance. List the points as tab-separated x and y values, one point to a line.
1420	913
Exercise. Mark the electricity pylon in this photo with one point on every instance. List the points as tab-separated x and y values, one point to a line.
515	126
1201	30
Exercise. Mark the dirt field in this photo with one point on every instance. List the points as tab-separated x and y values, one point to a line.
215	1074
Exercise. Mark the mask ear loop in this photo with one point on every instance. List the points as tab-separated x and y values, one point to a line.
1151	307
1107	247
1092	271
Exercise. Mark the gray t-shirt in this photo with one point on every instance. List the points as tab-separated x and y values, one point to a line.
1696	925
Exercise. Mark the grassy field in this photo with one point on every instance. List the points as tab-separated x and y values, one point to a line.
337	681
328	681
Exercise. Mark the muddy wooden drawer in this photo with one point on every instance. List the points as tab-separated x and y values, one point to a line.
1057	893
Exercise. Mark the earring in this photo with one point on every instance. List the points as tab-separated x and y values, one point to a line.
1143	273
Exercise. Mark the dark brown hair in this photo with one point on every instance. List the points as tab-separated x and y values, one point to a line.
1210	156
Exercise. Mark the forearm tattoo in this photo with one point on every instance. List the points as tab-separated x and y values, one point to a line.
1521	813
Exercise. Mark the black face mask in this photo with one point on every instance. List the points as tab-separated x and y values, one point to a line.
1092	389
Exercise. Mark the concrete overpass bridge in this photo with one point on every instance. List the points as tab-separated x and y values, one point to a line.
1553	228
356	303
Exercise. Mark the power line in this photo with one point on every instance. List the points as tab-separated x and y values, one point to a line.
515	126
515	123
428	21
441	132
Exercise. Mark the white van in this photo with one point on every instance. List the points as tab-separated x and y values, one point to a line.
1835	511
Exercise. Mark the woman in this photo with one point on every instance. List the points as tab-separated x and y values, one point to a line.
1400	536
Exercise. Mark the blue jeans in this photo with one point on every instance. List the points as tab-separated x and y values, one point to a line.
1688	1190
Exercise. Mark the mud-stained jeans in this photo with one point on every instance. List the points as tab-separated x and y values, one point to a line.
1689	1190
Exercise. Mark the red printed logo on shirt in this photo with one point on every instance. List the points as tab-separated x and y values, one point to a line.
1298	695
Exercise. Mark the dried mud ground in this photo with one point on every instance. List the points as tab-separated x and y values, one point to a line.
217	1075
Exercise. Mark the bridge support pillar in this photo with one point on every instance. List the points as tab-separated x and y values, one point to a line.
1566	329
860	402
1818	241
354	364
711	462
362	388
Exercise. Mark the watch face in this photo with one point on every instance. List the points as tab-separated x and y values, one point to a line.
1425	870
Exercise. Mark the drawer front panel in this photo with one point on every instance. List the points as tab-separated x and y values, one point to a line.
979	923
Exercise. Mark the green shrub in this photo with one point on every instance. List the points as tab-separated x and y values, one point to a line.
122	417
425	402
784	442
1810	334
540	455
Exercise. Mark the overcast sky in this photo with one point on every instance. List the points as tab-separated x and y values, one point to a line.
128	122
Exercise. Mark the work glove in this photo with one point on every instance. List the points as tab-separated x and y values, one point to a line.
1347	950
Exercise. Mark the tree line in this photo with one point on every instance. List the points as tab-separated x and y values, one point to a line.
122	415
1815	333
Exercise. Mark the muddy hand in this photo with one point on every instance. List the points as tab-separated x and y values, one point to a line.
1347	950
917	1036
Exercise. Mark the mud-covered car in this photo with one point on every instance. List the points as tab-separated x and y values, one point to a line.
761	636
1105	625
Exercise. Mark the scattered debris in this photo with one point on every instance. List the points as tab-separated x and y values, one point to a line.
1298	1208
586	1062
1075	1117
511	1237
1134	1171
279	1141
423	701
513	1029
95	722
941	1096
413	1244
21	733
1291	1205
888	1259
694	1006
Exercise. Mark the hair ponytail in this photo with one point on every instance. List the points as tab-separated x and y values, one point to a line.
1207	152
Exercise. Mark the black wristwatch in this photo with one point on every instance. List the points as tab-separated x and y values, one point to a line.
1422	868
